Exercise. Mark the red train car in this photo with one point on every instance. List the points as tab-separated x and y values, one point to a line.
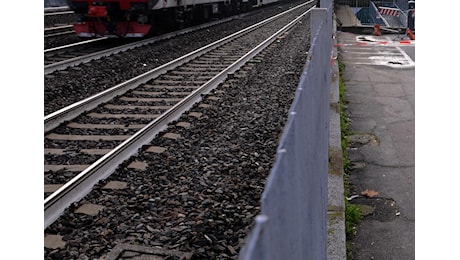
126	18
138	18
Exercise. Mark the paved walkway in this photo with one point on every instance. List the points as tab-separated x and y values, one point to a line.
379	77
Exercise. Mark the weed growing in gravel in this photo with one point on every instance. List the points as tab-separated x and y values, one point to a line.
353	213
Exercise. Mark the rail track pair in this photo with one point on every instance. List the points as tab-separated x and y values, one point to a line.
131	114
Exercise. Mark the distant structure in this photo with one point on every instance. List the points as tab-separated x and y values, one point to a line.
394	14
55	3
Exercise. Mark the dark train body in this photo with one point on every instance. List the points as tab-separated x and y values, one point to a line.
138	18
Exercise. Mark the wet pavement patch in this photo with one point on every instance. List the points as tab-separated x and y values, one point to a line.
357	140
357	165
376	208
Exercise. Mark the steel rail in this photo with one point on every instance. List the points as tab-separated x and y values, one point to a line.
58	28
54	10
82	184
59	34
58	13
58	31
73	45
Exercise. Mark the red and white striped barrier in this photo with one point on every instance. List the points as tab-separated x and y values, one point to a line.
389	11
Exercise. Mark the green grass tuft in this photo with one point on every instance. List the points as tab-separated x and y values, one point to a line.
353	214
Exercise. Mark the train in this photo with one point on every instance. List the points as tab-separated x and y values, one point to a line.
140	18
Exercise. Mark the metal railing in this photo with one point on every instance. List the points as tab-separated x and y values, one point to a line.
403	18
293	220
375	15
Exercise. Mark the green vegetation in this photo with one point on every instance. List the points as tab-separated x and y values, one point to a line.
353	213
353	216
344	122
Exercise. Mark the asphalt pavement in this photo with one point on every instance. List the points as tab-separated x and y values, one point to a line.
379	78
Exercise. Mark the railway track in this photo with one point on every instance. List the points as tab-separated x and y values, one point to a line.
195	189
68	86
63	57
84	51
122	119
58	17
59	31
59	27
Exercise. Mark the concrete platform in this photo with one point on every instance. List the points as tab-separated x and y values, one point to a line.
380	90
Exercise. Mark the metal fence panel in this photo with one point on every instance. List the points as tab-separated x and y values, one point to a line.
375	15
294	203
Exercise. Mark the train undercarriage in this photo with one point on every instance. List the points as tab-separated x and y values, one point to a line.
113	19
